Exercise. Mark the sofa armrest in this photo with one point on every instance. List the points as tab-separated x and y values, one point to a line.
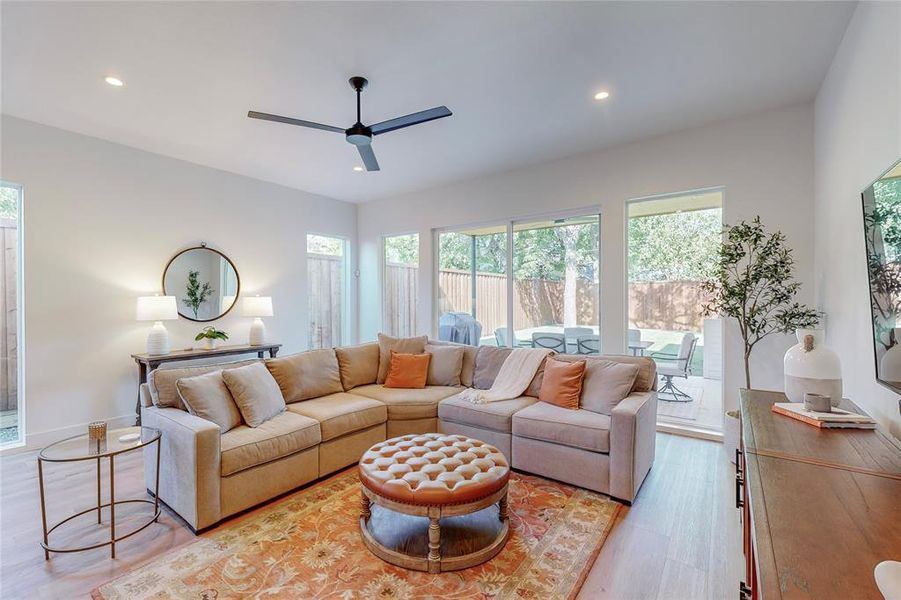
633	439
189	464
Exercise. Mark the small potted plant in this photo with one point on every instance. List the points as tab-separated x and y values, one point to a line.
211	336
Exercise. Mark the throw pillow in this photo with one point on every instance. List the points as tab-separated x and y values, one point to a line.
161	381
562	384
606	384
445	366
307	374
488	363
414	345
407	370
647	368
359	365
255	392
207	397
469	360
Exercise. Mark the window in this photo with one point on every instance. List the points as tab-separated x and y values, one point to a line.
472	279
11	404
400	285
550	287
327	290
672	247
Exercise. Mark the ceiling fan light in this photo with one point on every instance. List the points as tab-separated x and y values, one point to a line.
113	81
602	95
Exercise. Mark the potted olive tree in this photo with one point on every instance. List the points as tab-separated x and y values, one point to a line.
754	283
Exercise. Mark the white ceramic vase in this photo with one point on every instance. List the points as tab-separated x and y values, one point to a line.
890	363
210	343
811	367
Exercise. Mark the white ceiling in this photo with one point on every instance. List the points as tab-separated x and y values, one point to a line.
519	77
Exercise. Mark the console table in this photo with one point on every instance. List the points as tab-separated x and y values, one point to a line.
149	362
819	506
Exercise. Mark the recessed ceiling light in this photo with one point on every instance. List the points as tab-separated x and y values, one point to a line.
114	81
358	168
602	95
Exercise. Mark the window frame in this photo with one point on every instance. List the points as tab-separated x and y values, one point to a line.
20	317
383	265
344	334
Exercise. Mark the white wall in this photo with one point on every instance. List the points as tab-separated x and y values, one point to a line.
101	221
858	136
764	162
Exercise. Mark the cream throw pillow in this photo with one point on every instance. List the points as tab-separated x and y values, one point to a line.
445	366
414	345
359	365
207	397
606	384
306	375
255	392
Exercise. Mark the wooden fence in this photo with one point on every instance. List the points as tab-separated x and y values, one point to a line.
669	305
325	284
9	318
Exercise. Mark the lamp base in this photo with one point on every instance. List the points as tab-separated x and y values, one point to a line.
158	339
257	332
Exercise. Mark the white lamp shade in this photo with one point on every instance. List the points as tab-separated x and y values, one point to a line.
157	308
257	306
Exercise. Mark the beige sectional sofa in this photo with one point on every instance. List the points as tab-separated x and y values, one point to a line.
336	411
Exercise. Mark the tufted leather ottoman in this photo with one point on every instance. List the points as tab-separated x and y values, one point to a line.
434	475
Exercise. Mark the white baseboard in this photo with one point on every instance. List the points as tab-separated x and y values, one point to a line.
692	432
40	439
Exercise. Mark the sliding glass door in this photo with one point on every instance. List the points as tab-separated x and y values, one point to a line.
327	290
519	282
11	405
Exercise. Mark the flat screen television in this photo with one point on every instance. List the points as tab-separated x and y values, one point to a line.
882	235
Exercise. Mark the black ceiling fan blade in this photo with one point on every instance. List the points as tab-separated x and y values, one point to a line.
368	157
422	116
288	120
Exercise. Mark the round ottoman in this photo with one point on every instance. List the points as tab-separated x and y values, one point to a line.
434	475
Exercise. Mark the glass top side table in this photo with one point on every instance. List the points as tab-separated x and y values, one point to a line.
80	448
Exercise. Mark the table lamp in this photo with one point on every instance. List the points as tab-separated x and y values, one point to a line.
159	309
256	307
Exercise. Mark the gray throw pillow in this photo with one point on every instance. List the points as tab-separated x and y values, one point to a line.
414	345
488	363
162	381
445	365
606	384
255	392
207	397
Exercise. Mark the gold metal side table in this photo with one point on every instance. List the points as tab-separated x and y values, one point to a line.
80	448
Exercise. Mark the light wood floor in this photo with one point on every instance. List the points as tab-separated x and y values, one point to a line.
680	539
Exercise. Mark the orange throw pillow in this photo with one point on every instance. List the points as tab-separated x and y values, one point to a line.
407	370
562	384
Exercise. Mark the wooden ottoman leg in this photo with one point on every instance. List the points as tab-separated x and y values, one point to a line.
434	542
502	509
365	504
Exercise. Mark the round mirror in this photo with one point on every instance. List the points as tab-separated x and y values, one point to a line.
204	282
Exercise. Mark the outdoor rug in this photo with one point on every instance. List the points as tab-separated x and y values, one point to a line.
308	545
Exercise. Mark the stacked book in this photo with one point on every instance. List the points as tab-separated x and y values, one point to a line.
835	419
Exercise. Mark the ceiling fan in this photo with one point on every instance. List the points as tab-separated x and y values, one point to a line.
358	134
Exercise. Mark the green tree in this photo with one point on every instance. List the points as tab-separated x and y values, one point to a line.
675	246
402	249
754	283
9	202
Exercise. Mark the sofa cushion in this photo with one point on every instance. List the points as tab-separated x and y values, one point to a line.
408	371
414	345
359	365
488	364
408	404
606	383
341	413
469	360
446	364
492	415
306	375
535	386
162	381
244	447
255	392
647	373
208	397
575	428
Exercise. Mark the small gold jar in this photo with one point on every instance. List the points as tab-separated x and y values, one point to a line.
97	431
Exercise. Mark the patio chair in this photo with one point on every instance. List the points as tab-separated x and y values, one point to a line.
551	341
675	365
503	334
588	344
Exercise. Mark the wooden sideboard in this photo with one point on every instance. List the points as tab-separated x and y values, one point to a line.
149	362
820	507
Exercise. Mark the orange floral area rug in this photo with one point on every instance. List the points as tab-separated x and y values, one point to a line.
308	545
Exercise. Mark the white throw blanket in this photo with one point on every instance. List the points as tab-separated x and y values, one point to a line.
513	379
